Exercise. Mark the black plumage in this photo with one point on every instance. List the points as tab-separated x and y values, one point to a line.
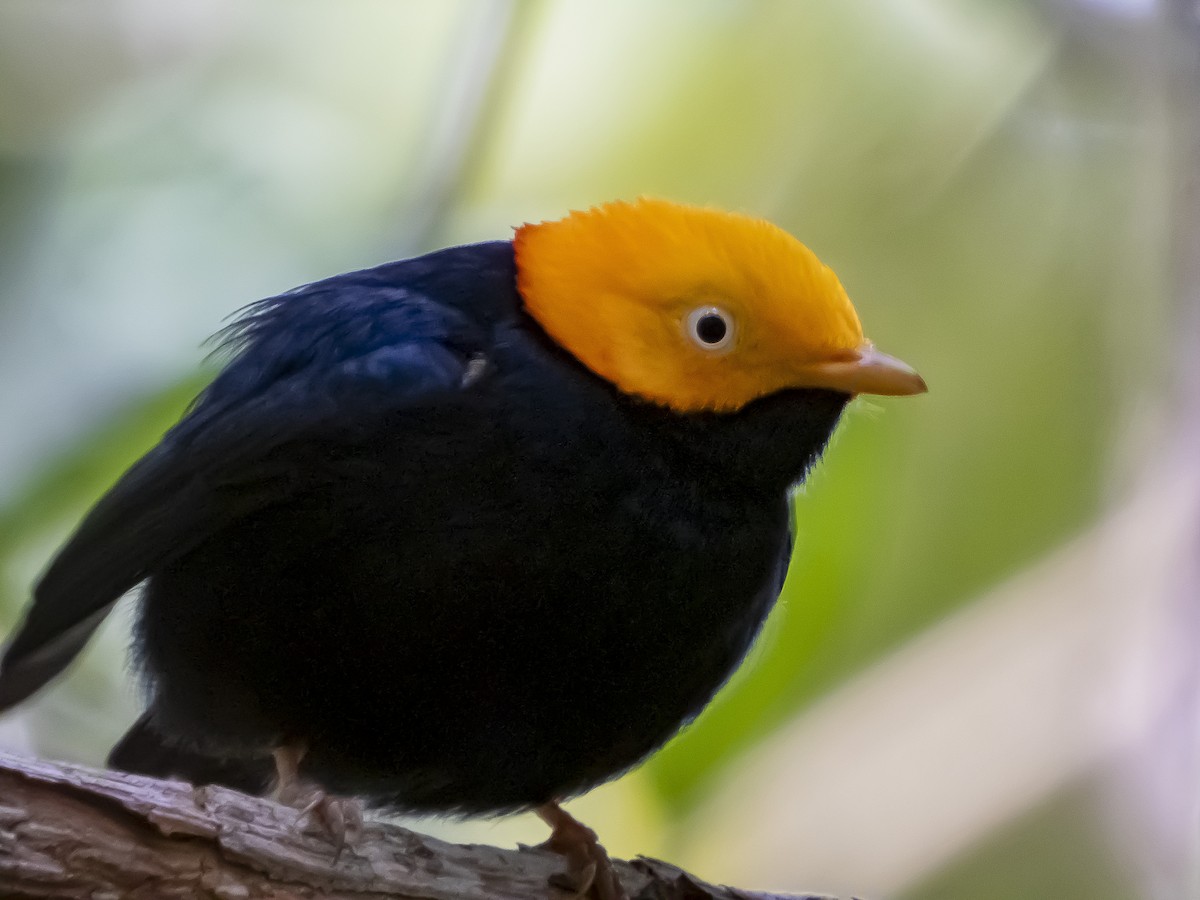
407	530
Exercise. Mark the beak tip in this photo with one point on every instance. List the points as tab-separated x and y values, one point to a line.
889	376
918	385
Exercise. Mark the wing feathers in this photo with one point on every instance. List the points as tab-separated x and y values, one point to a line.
336	355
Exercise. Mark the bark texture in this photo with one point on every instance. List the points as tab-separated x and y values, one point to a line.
68	831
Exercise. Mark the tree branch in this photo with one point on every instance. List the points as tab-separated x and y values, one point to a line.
68	831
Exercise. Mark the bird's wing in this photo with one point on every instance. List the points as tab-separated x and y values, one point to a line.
334	355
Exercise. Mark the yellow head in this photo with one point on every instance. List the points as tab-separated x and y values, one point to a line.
696	309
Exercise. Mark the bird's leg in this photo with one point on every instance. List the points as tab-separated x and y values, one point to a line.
287	772
589	870
337	816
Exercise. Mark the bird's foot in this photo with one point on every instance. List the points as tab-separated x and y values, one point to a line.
589	871
338	817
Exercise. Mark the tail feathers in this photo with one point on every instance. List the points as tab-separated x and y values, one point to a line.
116	546
144	751
30	662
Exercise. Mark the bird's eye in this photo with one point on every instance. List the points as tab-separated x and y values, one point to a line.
710	327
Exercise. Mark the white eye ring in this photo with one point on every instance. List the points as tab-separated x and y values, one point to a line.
710	328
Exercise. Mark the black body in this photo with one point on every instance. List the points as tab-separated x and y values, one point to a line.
407	529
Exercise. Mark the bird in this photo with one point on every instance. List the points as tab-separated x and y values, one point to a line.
473	532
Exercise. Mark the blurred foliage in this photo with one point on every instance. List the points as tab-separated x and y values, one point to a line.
1056	850
986	177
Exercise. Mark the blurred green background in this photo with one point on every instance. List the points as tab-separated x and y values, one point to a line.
981	680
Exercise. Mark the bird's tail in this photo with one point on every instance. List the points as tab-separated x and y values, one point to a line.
145	751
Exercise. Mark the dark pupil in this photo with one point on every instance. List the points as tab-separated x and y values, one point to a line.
711	329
